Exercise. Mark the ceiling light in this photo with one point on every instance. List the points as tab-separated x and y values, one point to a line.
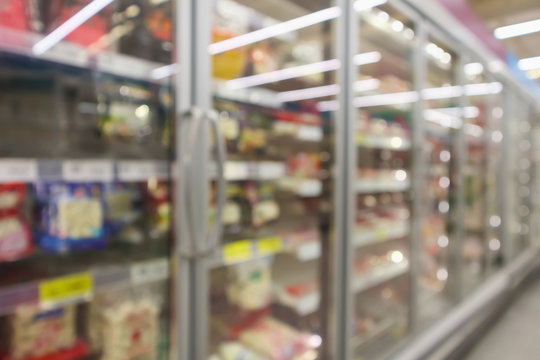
69	26
524	28
309	93
361	5
275	30
529	63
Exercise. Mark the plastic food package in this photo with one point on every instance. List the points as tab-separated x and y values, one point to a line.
121	214
71	216
159	207
15	235
250	284
275	340
34	333
124	323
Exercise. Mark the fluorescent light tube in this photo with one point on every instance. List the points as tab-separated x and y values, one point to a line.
529	63
404	97
71	24
309	93
367	58
165	71
483	89
443	92
330	105
362	5
366	85
524	28
283	74
275	30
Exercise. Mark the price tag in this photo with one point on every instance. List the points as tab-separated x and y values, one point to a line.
360	139
87	170
150	271
270	245
131	171
237	251
66	288
12	170
309	133
68	53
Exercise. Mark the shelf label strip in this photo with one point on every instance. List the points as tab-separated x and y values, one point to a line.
66	288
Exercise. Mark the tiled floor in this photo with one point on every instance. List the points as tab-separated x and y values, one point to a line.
516	336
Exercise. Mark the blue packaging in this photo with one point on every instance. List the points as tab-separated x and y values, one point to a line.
71	216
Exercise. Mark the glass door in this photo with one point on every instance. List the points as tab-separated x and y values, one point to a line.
384	100
442	120
86	136
481	216
273	68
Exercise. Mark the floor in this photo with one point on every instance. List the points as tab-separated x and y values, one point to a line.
515	335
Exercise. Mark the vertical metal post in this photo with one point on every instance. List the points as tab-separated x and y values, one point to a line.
506	176
192	90
458	214
419	175
344	179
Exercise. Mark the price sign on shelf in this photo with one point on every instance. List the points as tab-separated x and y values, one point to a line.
66	288
237	251
150	271
381	234
15	170
142	170
87	170
269	245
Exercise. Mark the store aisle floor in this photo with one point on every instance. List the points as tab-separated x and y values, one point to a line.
514	336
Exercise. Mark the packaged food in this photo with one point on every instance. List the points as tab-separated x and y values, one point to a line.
122	213
157	193
275	340
34	333
71	216
126	121
229	64
250	284
15	235
264	207
124	324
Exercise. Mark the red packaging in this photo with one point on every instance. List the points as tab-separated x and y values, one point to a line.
15	234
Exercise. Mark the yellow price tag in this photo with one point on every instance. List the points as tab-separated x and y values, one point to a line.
66	288
381	234
360	139
237	251
269	245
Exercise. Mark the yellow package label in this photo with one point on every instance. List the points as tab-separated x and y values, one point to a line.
66	288
269	245
381	234
237	251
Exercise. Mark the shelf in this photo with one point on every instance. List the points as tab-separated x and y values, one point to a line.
361	340
383	142
81	286
378	276
378	186
252	170
380	234
88	170
21	42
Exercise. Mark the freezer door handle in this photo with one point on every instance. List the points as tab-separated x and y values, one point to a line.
221	181
193	122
